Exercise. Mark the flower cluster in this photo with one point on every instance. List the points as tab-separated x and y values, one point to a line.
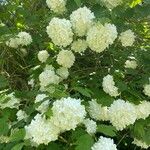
58	6
98	112
122	114
23	39
41	131
109	86
104	144
143	110
59	30
48	77
81	20
127	38
99	37
43	56
68	113
65	58
131	64
90	126
21	115
79	46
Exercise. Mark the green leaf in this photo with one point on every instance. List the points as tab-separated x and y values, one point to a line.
139	129
53	146
107	130
84	142
84	91
17	135
18	146
102	97
78	2
3	126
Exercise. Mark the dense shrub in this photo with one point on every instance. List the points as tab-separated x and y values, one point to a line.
75	74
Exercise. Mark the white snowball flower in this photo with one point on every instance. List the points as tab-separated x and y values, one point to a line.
122	114
41	131
79	46
81	20
110	4
13	43
109	86
90	126
68	113
98	112
24	38
59	30
131	64
43	56
104	144
63	72
147	90
65	58
140	144
58	6
99	37
143	110
48	77
21	115
40	98
9	101
127	38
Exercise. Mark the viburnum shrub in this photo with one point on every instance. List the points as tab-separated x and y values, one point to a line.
75	74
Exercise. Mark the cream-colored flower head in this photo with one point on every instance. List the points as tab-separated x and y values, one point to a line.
82	20
60	31
65	58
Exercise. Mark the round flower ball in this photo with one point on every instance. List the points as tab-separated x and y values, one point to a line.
57	6
24	38
68	113
65	58
104	144
122	114
81	20
43	56
131	64
60	31
79	46
127	38
99	37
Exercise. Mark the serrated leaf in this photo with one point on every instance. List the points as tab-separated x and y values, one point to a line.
17	135
107	130
84	91
84	142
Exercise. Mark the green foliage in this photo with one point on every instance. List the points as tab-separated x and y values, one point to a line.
17	135
85	77
84	142
107	130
